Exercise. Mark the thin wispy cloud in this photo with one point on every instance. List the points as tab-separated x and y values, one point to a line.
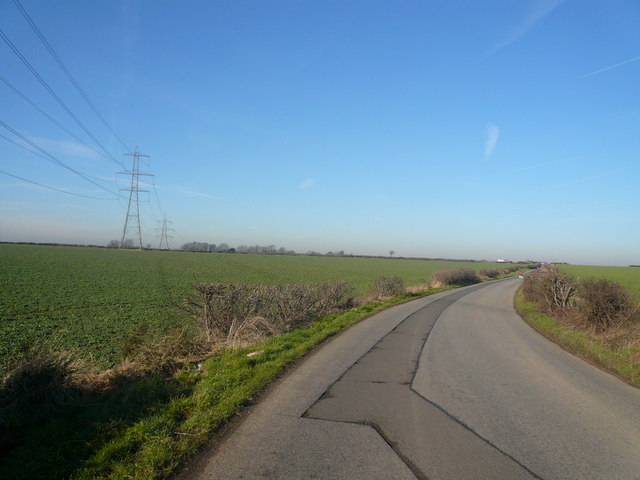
308	183
493	132
539	10
66	147
611	67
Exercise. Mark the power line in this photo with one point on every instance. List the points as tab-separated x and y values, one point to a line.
183	236
53	188
38	154
152	210
66	71
55	96
24	97
53	159
155	193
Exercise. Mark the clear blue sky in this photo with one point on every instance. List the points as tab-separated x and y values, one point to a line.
494	129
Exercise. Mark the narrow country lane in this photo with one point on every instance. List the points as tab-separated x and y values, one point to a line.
556	414
452	386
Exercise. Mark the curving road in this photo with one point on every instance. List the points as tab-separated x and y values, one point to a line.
452	386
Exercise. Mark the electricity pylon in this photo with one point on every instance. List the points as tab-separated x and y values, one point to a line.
164	233
132	219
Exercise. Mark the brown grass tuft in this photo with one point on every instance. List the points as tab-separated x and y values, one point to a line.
162	357
418	287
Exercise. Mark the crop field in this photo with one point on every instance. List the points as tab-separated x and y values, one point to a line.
627	276
91	299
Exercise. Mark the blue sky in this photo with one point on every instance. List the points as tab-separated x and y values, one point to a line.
494	129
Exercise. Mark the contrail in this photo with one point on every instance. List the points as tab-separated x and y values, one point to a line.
611	66
493	132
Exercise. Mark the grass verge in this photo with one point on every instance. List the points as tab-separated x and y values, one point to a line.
623	361
148	428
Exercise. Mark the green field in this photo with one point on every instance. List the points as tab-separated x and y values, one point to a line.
90	299
627	276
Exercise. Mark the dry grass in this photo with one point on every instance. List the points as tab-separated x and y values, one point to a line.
418	287
45	380
162	357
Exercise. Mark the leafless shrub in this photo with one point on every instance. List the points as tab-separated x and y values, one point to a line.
229	313
605	304
386	287
456	276
551	289
490	272
336	296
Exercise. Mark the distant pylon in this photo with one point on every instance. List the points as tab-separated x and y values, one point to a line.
132	220
164	233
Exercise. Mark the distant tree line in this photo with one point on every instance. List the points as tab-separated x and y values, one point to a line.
224	248
260	249
206	247
128	244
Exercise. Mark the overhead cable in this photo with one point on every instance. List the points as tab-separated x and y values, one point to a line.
55	96
52	188
24	97
38	154
53	159
66	70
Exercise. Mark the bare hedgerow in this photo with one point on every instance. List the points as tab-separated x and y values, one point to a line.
551	289
490	272
604	304
455	276
386	287
231	312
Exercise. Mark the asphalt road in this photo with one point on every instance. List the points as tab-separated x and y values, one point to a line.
453	386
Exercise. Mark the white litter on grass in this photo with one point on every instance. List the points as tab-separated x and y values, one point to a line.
257	352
